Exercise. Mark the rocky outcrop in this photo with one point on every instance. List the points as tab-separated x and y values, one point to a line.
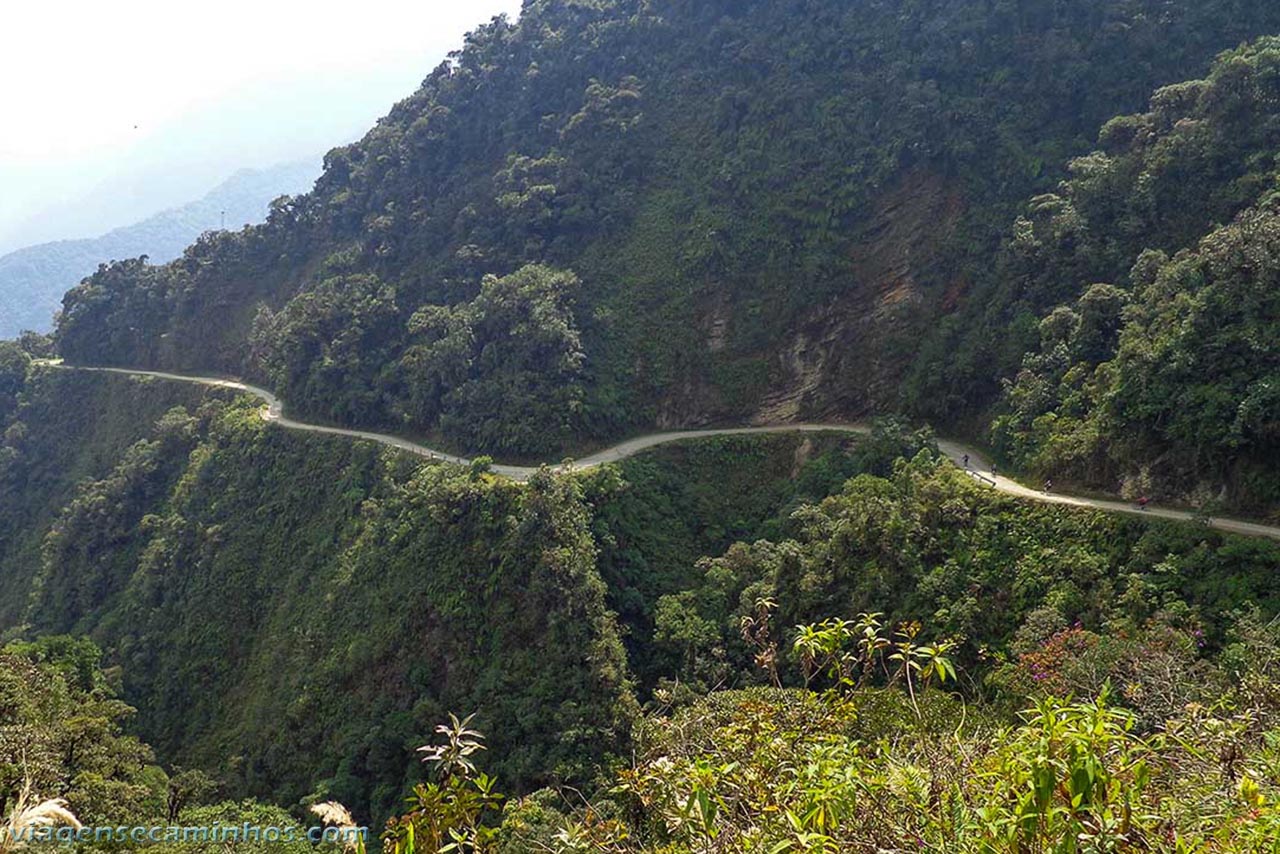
846	358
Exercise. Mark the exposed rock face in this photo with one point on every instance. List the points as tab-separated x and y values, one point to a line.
717	325
842	362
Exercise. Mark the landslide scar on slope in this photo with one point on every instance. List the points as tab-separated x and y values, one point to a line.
839	362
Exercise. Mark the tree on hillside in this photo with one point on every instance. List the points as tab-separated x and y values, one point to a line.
505	370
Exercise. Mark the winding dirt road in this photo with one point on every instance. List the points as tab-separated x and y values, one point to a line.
978	466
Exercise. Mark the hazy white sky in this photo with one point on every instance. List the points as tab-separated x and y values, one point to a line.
121	107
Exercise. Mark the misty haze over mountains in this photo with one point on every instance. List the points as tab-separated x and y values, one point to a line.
119	120
33	279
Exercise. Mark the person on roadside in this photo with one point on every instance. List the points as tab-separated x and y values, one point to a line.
966	462
1048	484
1143	502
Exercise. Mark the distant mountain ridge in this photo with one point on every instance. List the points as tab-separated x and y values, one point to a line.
33	279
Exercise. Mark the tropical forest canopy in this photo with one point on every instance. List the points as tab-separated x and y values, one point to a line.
725	211
361	596
1048	226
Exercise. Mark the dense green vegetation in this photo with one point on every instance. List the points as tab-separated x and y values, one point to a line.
54	433
66	760
357	598
1083	684
62	731
775	771
767	206
1169	749
1168	376
142	555
33	280
621	214
502	371
654	516
360	595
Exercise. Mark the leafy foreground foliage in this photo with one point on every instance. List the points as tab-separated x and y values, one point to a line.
938	549
859	768
1100	709
62	731
790	773
65	760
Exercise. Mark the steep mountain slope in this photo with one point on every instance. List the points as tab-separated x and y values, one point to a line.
66	429
620	213
33	280
291	612
737	211
1160	364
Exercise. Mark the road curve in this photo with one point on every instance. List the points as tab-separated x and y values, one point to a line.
977	464
981	469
